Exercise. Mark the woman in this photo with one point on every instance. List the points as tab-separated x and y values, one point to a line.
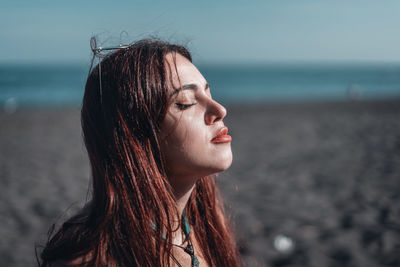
154	135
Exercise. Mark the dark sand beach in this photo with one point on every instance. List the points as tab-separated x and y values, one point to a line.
310	185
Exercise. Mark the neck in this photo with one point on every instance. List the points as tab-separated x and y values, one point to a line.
182	197
182	192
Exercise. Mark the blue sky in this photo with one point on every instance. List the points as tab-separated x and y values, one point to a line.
215	31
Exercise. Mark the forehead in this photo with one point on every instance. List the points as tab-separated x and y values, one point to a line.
181	71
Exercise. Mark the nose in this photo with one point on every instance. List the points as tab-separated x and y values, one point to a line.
215	112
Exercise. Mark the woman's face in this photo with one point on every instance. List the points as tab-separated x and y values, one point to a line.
194	139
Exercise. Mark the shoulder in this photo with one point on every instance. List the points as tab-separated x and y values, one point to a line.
73	239
80	261
64	263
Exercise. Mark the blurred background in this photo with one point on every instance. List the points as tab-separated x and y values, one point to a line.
313	96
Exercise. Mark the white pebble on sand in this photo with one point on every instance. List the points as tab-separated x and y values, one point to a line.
283	244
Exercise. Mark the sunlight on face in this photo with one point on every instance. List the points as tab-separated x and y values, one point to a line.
192	122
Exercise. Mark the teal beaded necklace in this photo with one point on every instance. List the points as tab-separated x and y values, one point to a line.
189	248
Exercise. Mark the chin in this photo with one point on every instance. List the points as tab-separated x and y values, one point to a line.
223	163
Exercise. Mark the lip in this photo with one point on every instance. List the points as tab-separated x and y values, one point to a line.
222	136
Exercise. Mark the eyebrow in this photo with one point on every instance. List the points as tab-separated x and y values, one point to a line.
189	86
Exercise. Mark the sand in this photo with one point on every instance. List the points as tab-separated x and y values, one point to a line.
310	185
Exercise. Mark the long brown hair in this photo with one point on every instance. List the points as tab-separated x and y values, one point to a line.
131	193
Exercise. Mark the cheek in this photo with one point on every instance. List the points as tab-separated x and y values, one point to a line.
185	140
187	135
187	148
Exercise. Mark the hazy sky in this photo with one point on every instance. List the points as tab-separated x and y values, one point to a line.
215	31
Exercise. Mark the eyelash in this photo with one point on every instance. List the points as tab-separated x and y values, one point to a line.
184	106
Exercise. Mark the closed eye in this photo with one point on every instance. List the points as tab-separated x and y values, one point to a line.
184	106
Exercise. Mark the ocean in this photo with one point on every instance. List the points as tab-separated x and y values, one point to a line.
51	85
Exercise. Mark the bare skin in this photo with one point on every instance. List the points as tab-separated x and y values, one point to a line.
192	120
